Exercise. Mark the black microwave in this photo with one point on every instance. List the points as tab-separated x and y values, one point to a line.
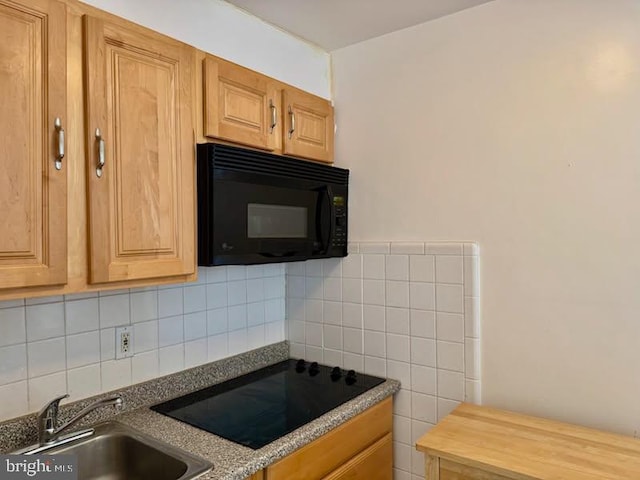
255	207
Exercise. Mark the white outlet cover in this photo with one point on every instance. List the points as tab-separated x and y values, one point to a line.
120	352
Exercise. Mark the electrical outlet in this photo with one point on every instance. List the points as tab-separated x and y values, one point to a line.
124	342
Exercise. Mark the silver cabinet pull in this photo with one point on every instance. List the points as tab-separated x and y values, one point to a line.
60	154
292	117
100	153
274	116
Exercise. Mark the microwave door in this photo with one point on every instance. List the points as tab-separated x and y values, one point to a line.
261	223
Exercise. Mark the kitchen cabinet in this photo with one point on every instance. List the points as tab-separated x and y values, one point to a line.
140	152
308	126
33	184
481	443
371	464
67	71
358	449
240	105
245	107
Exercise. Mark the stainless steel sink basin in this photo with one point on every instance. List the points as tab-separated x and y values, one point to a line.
117	452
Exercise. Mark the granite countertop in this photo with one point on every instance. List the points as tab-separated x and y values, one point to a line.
232	461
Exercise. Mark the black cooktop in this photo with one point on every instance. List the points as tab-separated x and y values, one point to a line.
264	405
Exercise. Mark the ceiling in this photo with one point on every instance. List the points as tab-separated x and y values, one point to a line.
333	24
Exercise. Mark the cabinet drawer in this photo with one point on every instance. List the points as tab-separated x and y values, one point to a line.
324	455
375	463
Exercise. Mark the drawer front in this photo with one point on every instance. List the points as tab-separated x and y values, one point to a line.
319	458
456	471
375	463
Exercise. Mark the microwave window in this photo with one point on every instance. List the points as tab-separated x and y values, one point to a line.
276	221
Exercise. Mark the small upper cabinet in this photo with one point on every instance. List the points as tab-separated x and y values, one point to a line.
308	126
33	183
245	107
240	105
140	152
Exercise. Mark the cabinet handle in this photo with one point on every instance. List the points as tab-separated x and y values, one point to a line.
292	118
100	152
274	116
60	131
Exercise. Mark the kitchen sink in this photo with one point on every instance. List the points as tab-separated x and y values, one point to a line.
117	452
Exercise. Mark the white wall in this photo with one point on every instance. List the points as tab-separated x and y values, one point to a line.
516	124
223	30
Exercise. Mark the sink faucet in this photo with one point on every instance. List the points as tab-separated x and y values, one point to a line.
48	431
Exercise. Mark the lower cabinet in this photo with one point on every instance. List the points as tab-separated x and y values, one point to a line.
360	449
442	469
372	464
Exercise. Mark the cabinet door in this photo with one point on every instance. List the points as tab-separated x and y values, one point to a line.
240	105
33	192
375	463
326	454
308	126
456	471
140	125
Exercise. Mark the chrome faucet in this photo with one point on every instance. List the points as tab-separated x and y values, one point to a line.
49	432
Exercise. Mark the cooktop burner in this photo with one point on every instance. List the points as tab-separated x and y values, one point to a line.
264	405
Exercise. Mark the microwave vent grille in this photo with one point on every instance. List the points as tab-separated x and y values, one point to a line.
230	158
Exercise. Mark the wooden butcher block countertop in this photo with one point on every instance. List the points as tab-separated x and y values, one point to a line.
513	446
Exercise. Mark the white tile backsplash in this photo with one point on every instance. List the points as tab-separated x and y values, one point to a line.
45	321
170	331
410	311
115	310
374	267
83	349
46	357
116	373
67	344
397	267
83	382
449	269
12	326
13	363
81	315
144	306
43	389
195	326
374	317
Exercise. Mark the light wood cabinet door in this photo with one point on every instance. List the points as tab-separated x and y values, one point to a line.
323	456
375	463
139	121
33	192
456	471
240	105
308	126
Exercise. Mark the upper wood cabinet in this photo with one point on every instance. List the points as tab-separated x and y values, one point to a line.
240	105
33	183
140	152
245	107
308	126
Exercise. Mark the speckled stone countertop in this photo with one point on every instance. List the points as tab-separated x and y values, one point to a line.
230	461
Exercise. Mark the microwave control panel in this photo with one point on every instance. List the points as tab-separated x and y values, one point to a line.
340	227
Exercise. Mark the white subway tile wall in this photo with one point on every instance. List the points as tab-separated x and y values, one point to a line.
55	345
408	311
